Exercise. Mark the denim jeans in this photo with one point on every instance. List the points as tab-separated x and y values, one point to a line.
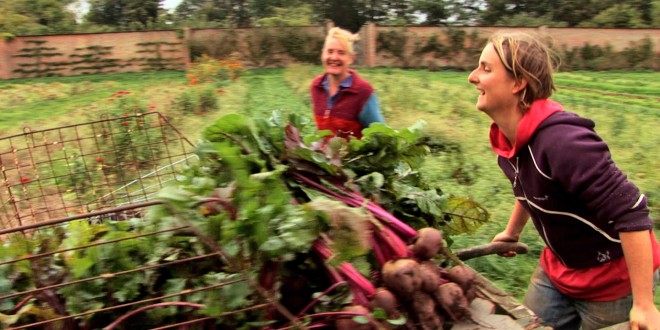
565	313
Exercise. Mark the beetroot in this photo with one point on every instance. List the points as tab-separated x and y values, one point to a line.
451	298
430	276
401	276
423	308
347	323
386	300
465	277
428	243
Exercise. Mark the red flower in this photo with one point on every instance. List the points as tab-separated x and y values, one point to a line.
125	123
25	180
111	99
151	107
99	159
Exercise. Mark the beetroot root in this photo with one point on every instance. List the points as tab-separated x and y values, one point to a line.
430	276
401	276
424	310
386	300
347	323
452	299
428	243
465	277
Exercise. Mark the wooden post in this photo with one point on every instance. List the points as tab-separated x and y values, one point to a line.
6	61
185	43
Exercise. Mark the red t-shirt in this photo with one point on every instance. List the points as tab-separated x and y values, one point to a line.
607	282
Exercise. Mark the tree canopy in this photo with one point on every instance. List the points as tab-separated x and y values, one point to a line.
25	17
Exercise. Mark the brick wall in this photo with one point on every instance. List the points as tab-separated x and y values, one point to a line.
122	52
126	50
618	39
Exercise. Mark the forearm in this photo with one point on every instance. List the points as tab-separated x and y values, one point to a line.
639	258
515	226
517	221
371	112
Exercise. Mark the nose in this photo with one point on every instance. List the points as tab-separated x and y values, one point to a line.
472	78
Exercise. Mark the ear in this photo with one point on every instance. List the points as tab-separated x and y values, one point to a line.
519	85
351	59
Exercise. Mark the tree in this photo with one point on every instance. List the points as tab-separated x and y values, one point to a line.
288	16
344	13
655	14
617	16
138	14
602	13
241	13
573	12
203	11
465	12
433	11
36	17
268	8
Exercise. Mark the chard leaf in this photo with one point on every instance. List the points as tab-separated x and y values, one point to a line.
464	215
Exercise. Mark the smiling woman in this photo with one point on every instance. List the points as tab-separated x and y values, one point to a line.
343	102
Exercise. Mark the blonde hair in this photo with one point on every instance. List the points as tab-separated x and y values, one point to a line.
528	57
345	38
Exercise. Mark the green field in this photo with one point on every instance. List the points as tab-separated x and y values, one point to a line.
625	107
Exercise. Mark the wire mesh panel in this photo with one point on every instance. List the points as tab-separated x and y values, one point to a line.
74	273
86	167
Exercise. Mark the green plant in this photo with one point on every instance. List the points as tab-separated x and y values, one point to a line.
262	47
129	143
92	60
394	43
38	52
7	37
199	99
158	62
216	47
638	52
434	47
208	99
301	46
217	71
185	101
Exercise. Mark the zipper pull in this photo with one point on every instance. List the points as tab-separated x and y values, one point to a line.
515	176
515	179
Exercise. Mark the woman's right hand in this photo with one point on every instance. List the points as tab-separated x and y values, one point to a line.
506	237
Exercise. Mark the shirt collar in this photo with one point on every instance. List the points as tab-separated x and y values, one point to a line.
344	84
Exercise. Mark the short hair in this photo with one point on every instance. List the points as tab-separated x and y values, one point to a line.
530	57
345	38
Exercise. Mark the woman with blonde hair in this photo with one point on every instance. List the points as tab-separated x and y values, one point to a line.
342	101
601	256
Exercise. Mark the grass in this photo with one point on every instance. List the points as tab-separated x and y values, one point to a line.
443	100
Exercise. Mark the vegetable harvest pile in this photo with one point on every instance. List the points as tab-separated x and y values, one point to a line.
326	232
344	233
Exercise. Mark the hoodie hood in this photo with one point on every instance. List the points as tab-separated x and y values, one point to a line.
538	112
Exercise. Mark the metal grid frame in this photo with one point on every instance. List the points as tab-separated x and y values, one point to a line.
76	169
97	172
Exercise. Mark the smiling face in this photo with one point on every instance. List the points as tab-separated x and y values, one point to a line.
498	90
336	59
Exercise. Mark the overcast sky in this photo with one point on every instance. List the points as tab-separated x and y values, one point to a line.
171	4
